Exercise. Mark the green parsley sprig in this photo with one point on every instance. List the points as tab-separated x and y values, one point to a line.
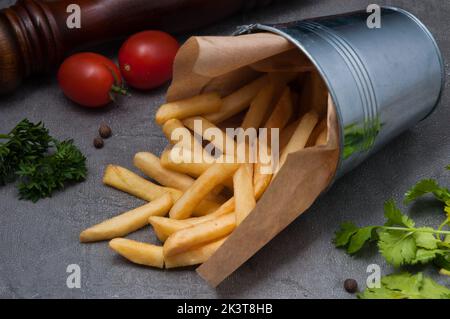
25	143
41	163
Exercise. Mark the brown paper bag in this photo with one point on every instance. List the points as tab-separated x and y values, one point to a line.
223	64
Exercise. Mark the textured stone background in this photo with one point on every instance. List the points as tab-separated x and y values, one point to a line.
38	241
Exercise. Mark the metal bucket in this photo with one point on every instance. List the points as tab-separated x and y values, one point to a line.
382	81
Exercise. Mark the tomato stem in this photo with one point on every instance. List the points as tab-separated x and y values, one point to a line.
119	90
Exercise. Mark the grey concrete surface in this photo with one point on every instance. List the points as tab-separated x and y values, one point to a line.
38	241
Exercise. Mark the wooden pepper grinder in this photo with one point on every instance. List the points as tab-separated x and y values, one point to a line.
35	36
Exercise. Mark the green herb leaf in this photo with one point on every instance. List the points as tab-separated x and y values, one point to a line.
358	240
427	186
397	247
406	286
352	237
395	217
24	144
39	179
343	235
425	239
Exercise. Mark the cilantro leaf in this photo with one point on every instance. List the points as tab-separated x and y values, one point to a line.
432	290
358	240
406	286
395	217
352	237
427	186
342	236
397	247
443	261
425	239
424	256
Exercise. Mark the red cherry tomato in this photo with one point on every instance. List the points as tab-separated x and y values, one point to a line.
89	79
146	59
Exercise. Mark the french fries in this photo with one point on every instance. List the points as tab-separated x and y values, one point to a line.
197	105
243	193
151	166
282	112
213	176
300	136
316	132
237	101
193	169
286	134
164	227
131	183
193	257
224	141
182	138
259	107
139	253
322	138
190	211
128	222
185	239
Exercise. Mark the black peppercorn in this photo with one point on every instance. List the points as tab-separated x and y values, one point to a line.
104	131
350	285
98	142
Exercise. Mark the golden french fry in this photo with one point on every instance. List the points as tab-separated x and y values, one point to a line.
131	183
322	138
139	253
316	132
222	143
183	139
237	101
197	105
199	234
300	136
259	107
261	182
164	227
128	222
282	113
194	169
151	166
286	134
193	257
243	194
213	176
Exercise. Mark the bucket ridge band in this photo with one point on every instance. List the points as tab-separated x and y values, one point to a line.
360	74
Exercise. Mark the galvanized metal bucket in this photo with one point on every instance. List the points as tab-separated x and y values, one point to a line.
382	81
